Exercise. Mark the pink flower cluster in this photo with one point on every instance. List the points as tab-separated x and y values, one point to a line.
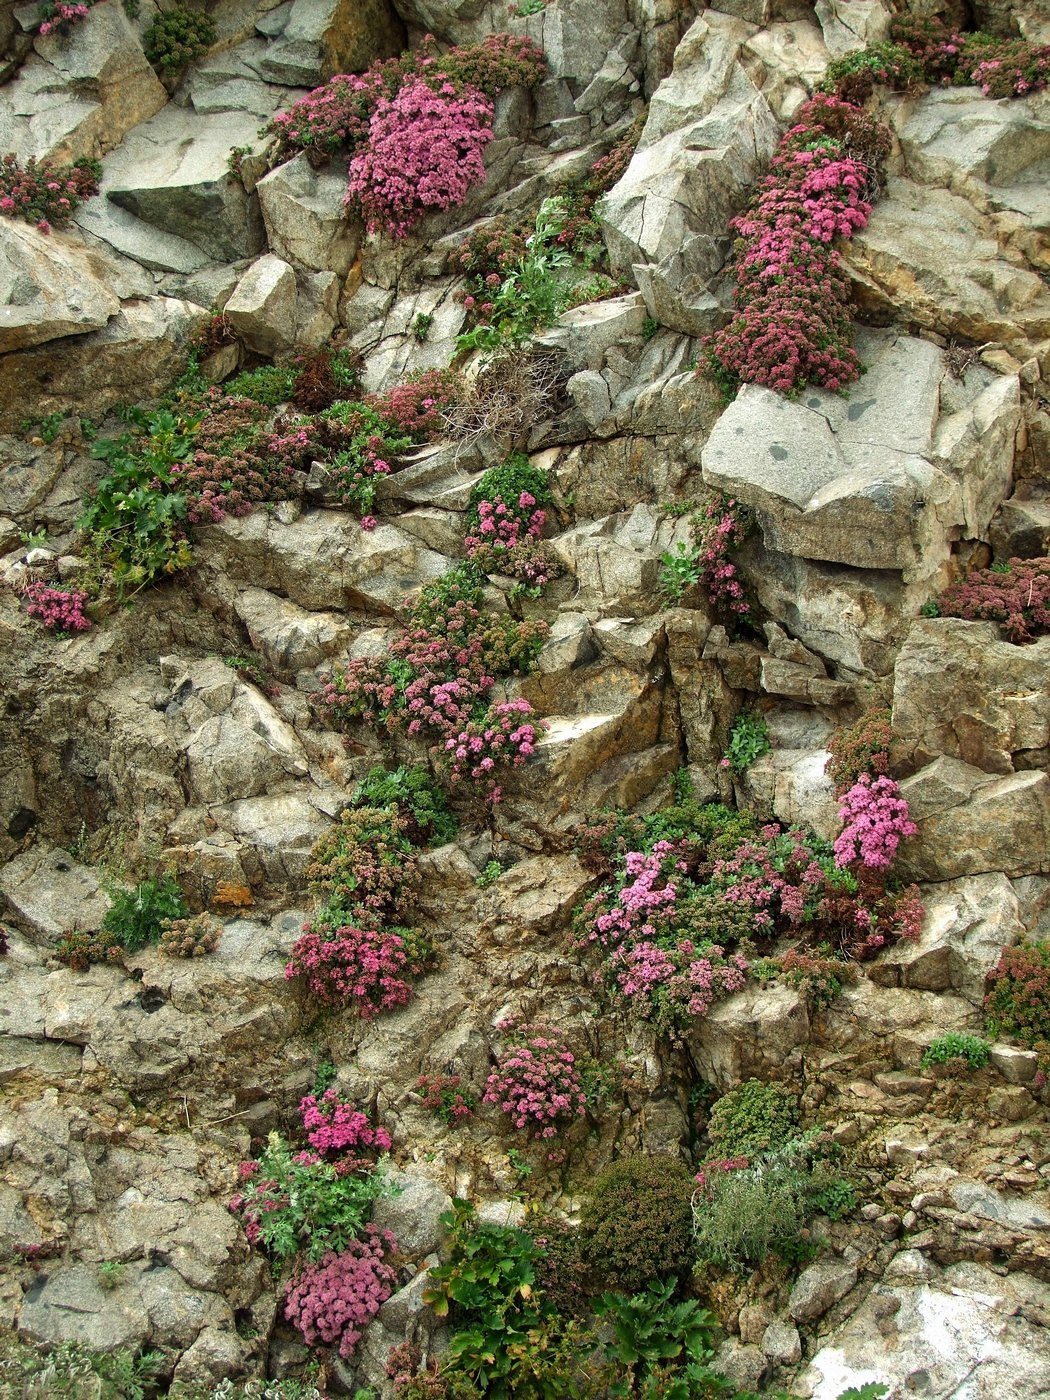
725	527
424	152
364	968
335	1126
61	16
333	1301
59	609
504	736
43	193
672	983
876	820
504	525
536	1082
791	325
660	972
435	678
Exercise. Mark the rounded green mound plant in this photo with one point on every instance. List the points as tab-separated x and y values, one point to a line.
637	1222
751	1119
951	1048
178	36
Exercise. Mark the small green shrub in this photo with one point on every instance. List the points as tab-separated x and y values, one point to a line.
417	797
680	570
177	37
267	385
139	916
747	1214
751	1119
491	873
748	740
860	747
637	1223
111	1273
969	1048
421	326
1018	998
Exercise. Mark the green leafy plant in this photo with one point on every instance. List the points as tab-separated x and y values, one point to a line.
111	1273
33	539
651	1332
178	36
135	519
489	875
650	326
874	1390
138	917
952	1047
421	326
290	1205
532	293
748	740
837	1200
416	795
680	570
751	1119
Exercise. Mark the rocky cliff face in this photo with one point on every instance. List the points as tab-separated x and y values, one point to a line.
135	1087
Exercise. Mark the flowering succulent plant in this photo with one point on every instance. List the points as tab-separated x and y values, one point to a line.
43	193
876	820
791	325
59	609
333	1301
424	152
536	1081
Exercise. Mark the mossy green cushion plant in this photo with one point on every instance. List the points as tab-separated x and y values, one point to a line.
178	36
637	1222
751	1119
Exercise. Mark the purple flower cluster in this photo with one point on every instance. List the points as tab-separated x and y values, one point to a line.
536	1081
334	1126
333	1301
791	325
59	609
424	152
876	820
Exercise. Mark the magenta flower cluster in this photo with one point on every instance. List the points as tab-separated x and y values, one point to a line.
536	1081
434	680
791	325
876	819
59	609
725	526
424	153
505	736
659	971
335	1127
60	16
333	1301
360	967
